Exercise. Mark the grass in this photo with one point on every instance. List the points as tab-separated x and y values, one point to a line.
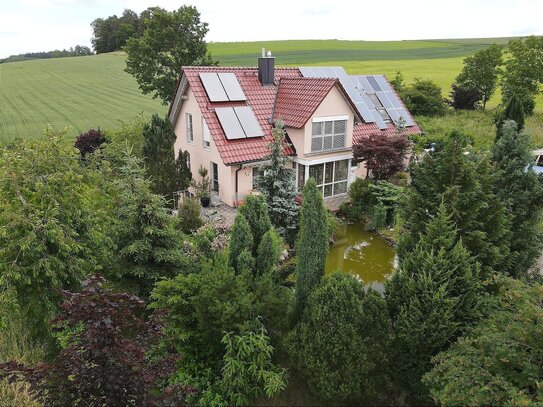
94	91
80	92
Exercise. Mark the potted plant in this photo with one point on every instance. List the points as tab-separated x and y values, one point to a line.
203	187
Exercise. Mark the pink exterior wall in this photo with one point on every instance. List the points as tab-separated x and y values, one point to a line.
198	154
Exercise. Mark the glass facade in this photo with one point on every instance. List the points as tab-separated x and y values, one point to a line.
331	177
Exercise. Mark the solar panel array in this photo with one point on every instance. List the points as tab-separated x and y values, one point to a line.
358	87
238	122
222	87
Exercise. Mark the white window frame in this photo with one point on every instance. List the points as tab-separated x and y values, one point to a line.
334	135
308	163
188	161
190	128
206	135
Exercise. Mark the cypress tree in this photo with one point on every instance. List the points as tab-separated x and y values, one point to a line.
432	299
255	212
467	182
522	193
269	251
277	185
159	156
241	239
312	247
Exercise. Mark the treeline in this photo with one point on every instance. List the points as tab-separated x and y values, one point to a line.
77	51
111	33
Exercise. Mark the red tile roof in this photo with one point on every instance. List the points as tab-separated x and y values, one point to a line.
298	98
262	100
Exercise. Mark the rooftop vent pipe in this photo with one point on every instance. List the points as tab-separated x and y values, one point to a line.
266	66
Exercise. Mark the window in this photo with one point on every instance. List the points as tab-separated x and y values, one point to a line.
301	177
188	160
328	135
206	134
214	177
331	177
190	129
257	172
379	107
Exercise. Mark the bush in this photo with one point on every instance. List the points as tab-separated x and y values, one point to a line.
424	97
189	215
383	156
17	393
105	360
248	371
89	142
340	344
464	98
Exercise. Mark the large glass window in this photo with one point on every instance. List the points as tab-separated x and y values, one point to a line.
329	135
331	177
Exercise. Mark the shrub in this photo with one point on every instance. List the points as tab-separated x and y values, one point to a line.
464	98
269	251
241	239
383	156
424	97
499	361
248	371
104	362
17	393
255	211
89	142
340	345
189	215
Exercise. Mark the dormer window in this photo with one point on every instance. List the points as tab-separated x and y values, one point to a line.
328	134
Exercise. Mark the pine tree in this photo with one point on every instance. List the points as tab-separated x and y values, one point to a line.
269	251
513	111
466	182
148	242
432	299
241	239
312	247
277	185
256	214
522	193
159	156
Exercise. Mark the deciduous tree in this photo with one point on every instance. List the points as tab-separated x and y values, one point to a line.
423	97
170	41
383	155
481	71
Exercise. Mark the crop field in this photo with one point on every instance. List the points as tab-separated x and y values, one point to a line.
94	91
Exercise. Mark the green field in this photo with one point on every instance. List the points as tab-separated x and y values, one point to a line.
94	91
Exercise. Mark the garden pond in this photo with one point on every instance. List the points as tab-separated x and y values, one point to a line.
364	254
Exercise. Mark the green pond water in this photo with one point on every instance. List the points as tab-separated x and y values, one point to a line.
364	254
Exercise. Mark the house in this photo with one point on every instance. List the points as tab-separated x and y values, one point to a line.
223	117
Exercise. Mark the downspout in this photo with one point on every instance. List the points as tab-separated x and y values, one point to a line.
236	193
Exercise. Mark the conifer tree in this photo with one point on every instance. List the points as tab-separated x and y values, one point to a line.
513	111
269	251
312	247
241	239
522	193
466	182
149	244
158	155
256	214
277	185
432	299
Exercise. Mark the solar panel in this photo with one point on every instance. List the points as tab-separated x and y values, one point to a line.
248	121
373	82
397	109
213	87
230	123
231	86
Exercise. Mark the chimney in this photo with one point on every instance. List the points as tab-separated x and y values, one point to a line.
266	65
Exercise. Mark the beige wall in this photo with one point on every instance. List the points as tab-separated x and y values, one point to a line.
198	154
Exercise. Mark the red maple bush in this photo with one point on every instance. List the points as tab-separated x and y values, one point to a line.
110	358
90	141
384	155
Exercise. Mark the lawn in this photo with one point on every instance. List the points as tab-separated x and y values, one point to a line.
94	91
